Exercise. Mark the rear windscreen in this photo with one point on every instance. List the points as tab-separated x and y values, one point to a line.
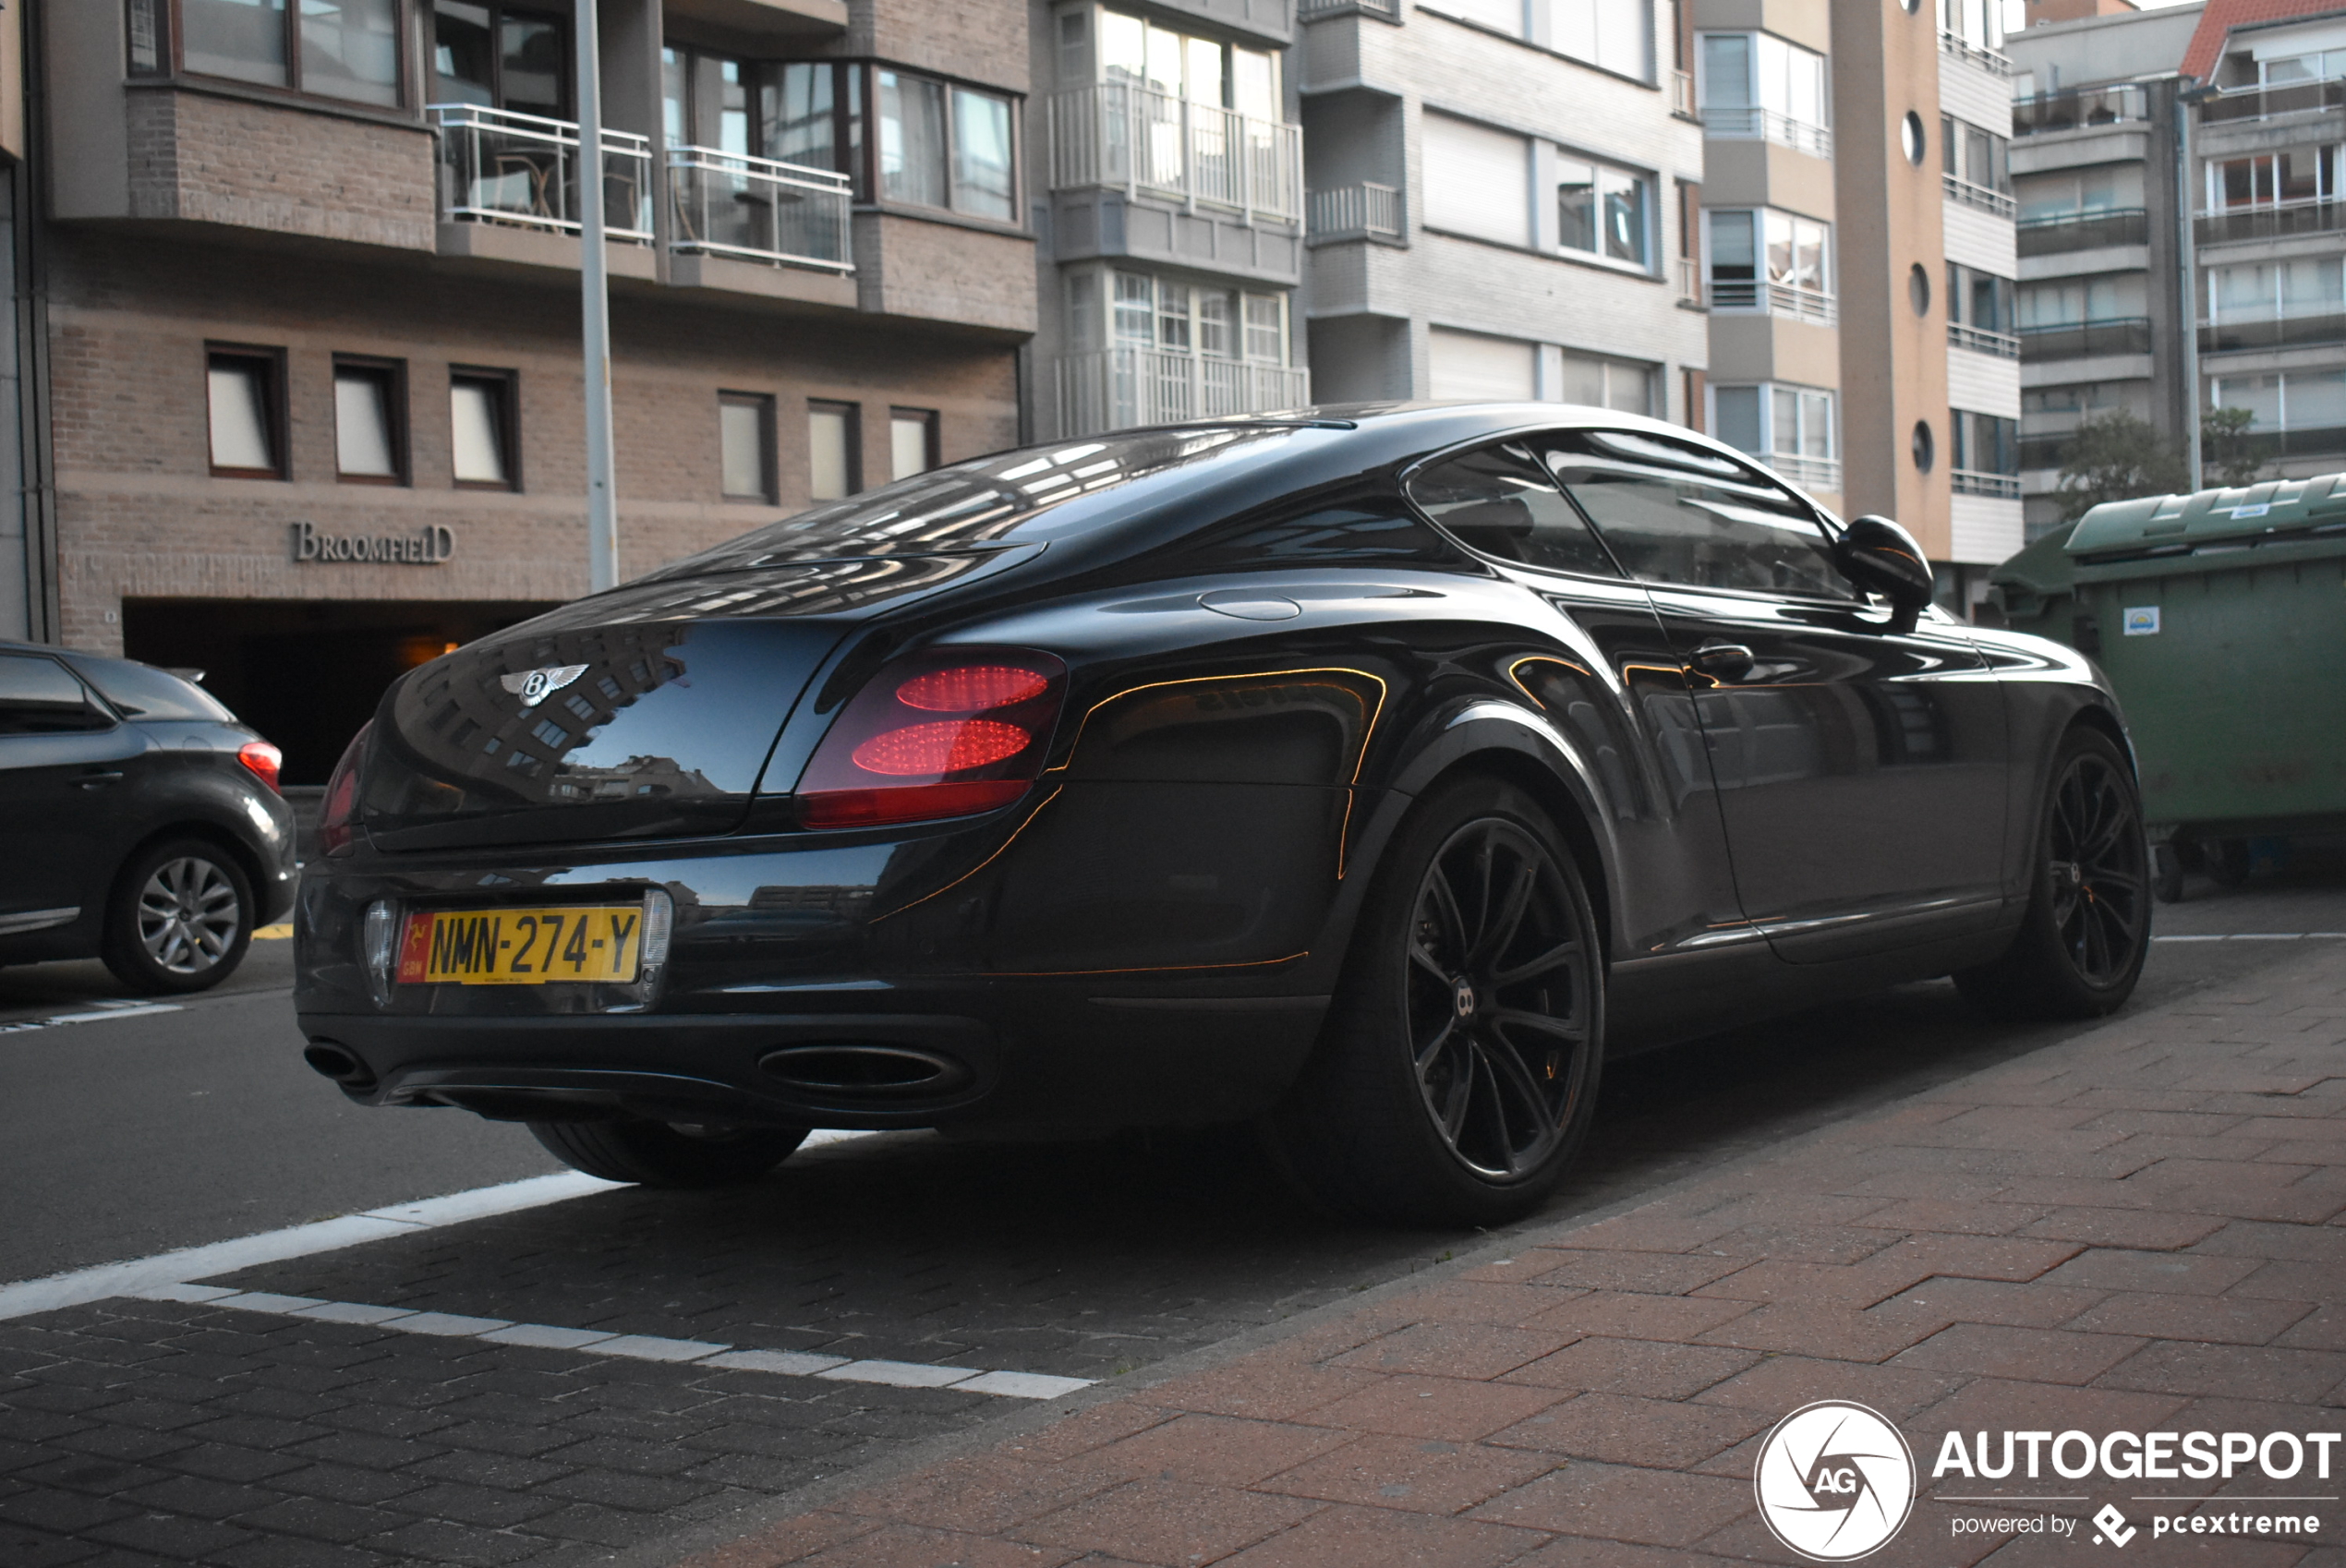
982	504
141	691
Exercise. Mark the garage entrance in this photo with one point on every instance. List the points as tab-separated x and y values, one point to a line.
305	673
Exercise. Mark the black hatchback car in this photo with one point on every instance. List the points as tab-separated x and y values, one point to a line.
1370	773
139	821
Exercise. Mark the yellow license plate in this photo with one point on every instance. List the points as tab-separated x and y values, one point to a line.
591	942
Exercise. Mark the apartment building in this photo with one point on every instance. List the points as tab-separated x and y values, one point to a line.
313	307
1857	260
1500	202
27	561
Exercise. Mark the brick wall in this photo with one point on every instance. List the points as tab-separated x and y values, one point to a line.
139	513
229	161
944	273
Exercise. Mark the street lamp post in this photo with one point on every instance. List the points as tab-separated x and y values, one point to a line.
602	508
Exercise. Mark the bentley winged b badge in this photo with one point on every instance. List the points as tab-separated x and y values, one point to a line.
534	686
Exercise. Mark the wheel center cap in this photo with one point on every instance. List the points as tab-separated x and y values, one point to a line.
1462	997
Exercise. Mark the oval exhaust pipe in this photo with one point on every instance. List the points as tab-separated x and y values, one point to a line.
332	1059
862	1069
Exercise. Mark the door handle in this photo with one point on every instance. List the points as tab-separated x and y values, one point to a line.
1729	661
98	780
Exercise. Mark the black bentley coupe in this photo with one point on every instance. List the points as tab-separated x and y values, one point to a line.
1370	773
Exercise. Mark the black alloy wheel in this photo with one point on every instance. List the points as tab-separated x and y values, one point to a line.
651	1153
1497	998
2081	944
1456	1070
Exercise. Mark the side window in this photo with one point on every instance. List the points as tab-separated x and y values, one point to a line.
1676	514
1500	501
39	696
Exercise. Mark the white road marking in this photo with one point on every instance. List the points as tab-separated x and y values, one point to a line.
635	1346
2261	936
80	1286
106	1010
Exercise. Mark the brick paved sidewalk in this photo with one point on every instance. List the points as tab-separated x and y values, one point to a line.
2137	1230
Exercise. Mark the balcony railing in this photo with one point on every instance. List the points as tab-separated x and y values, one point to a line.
1971	482
1809	473
1766	124
2271	332
2083	230
1971	53
2266	102
1312	11
1118	135
1979	340
757	210
2276	221
1115	389
1366	211
2079	108
2078	340
1687	272
1979	196
1774	299
500	167
1682	94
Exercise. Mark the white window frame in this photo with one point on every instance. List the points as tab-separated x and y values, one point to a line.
1767	294
1758	119
1813	470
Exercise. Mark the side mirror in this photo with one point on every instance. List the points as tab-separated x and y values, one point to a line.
1881	558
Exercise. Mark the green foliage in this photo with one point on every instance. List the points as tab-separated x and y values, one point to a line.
2228	455
2118	456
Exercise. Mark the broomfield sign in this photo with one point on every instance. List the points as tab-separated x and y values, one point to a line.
425	547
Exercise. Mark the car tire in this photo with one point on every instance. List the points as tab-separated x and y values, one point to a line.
2081	944
652	1153
179	920
1455	1073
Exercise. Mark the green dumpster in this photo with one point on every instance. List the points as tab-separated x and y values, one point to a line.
2219	618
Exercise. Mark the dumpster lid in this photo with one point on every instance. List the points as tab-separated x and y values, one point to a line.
2157	525
2043	567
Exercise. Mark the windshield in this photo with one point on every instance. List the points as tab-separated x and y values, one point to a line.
982	504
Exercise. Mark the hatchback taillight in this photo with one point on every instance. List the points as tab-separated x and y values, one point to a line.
263	759
338	815
946	732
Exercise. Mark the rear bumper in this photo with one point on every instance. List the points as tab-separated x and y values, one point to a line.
1032	1059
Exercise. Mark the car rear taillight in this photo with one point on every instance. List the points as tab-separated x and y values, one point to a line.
338	815
947	732
263	759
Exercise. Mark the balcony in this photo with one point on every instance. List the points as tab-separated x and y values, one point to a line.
1774	299
1727	124
519	171
2080	339
1682	96
1116	389
1687	273
1366	211
1312	10
1979	340
1808	473
1979	196
2267	102
2083	230
2271	332
1957	47
1971	482
756	210
2277	221
2080	108
1146	142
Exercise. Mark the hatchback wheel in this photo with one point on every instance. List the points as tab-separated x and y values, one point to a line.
1456	1072
2081	946
180	918
661	1155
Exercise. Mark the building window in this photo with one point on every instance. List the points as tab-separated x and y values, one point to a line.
834	439
911	441
1986	444
2079	193
704	102
1974	22
345	49
1757	85
811	113
1154	58
1626	386
944	146
1773	261
745	446
500	57
2272	179
1600	211
247	389
1974	156
2076	302
1169	316
2295	400
370	421
1978	299
483	449
1790	428
2087	397
2325	65
1615	35
2309	287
